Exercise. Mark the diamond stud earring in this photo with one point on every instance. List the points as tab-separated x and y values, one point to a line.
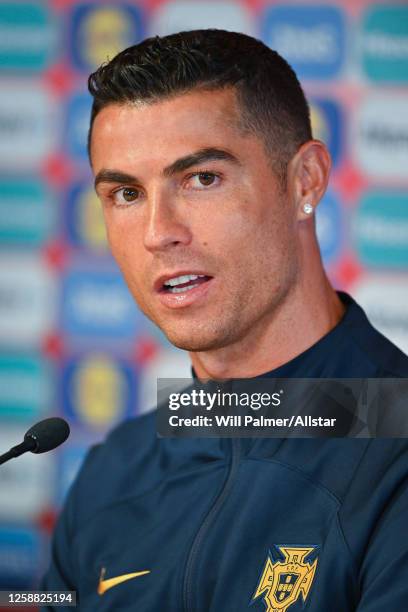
307	208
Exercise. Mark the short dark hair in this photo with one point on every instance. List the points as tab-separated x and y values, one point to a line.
270	97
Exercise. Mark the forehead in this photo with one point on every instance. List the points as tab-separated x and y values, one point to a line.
166	129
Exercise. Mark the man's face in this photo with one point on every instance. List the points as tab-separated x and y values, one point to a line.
186	192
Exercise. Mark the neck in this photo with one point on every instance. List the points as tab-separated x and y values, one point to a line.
309	311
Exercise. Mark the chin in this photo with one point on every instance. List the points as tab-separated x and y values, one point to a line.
198	340
192	345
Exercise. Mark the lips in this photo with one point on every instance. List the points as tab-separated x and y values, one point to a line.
176	282
174	294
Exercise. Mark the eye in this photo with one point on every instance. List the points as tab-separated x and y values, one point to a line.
125	195
199	180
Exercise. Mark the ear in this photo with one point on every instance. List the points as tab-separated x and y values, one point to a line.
308	174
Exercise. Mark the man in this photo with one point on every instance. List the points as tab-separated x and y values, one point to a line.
209	177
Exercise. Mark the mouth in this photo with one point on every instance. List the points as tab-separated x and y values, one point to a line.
183	283
182	288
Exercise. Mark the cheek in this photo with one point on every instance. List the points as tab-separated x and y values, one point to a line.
245	227
120	232
258	238
125	247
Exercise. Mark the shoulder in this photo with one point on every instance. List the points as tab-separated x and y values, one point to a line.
126	463
130	462
375	506
128	443
385	359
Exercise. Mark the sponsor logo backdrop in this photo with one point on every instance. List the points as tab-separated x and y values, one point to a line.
72	342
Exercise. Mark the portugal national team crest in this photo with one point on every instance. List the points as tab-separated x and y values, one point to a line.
282	583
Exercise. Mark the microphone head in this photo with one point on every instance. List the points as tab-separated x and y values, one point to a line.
48	434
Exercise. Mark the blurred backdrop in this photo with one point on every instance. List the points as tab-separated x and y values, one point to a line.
72	342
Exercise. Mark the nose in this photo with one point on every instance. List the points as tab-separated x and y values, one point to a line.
165	226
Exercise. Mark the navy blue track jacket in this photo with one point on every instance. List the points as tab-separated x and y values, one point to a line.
235	525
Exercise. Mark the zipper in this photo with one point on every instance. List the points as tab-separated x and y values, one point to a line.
195	547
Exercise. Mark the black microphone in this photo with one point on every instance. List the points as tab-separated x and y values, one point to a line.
40	438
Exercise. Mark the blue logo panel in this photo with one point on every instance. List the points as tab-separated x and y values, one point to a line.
310	37
20	551
85	224
97	304
71	460
98	32
330	227
328	126
78	118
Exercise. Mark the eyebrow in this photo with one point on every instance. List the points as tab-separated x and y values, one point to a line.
181	164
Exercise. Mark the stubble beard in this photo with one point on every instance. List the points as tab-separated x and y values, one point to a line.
222	329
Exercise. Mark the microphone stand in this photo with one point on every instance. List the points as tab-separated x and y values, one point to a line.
28	445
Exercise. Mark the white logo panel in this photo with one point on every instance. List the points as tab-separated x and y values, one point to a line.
180	15
169	363
27	300
381	136
26	481
385	299
28	125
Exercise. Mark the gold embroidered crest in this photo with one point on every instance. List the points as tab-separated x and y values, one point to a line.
283	582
